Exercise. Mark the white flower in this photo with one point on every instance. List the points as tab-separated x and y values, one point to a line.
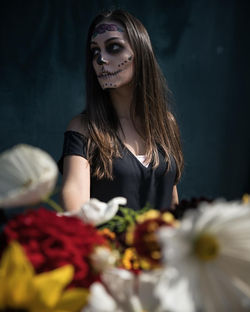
211	252
97	212
27	175
99	300
173	292
120	284
103	258
133	293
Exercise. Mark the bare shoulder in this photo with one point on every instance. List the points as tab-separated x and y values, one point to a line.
78	124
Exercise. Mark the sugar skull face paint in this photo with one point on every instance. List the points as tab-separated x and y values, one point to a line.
101	28
112	55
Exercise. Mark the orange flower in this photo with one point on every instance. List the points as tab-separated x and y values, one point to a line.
107	234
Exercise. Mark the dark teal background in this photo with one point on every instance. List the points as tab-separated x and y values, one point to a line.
203	49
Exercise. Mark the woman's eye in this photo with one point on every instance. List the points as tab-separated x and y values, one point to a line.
95	51
114	48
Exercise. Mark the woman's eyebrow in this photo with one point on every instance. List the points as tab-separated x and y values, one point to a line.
113	38
106	41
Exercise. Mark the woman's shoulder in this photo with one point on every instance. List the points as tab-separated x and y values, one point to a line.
78	124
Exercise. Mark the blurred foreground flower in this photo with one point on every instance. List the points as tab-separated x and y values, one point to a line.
132	293
22	290
51	241
146	251
209	255
103	258
124	292
27	175
100	301
96	212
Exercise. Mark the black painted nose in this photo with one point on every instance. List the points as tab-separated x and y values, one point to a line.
100	60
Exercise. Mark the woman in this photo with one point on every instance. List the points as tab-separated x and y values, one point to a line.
126	143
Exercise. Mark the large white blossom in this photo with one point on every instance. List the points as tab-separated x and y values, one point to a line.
209	255
27	175
97	212
124	292
133	293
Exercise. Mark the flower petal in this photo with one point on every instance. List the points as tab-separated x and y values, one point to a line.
112	208
73	300
103	258
221	282
51	284
16	275
146	289
174	292
27	175
219	294
96	212
99	300
120	283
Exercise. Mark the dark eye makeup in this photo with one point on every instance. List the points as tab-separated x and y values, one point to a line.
114	48
111	48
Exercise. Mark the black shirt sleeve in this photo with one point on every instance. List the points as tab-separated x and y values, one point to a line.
74	144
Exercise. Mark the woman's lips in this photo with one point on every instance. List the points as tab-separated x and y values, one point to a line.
109	74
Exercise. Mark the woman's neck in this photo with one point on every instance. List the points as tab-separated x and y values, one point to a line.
122	99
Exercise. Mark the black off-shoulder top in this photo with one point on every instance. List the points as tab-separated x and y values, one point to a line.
141	185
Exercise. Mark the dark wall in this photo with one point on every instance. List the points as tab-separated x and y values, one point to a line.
203	49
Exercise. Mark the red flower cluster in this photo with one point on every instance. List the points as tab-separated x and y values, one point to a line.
51	241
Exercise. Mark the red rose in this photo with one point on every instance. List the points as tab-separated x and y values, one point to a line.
51	241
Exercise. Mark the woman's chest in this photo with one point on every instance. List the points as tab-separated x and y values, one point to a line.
131	138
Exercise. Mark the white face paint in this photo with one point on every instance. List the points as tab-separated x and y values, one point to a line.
112	55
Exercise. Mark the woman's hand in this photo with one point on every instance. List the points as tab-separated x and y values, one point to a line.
175	198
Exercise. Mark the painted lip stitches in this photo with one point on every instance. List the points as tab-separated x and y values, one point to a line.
107	74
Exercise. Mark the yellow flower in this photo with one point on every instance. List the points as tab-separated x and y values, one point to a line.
246	198
21	288
151	214
154	214
169	218
129	237
130	259
206	247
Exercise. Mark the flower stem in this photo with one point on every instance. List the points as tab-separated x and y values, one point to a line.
53	204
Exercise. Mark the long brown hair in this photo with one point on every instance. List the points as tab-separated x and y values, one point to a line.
150	103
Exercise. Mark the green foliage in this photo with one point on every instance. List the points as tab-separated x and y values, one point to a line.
125	218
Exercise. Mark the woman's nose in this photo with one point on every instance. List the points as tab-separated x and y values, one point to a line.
100	60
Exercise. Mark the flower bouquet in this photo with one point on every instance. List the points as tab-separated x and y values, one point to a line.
45	257
95	260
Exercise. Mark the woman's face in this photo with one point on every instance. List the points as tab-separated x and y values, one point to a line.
112	55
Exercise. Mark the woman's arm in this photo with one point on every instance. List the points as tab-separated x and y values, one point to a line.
175	198
76	174
76	182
